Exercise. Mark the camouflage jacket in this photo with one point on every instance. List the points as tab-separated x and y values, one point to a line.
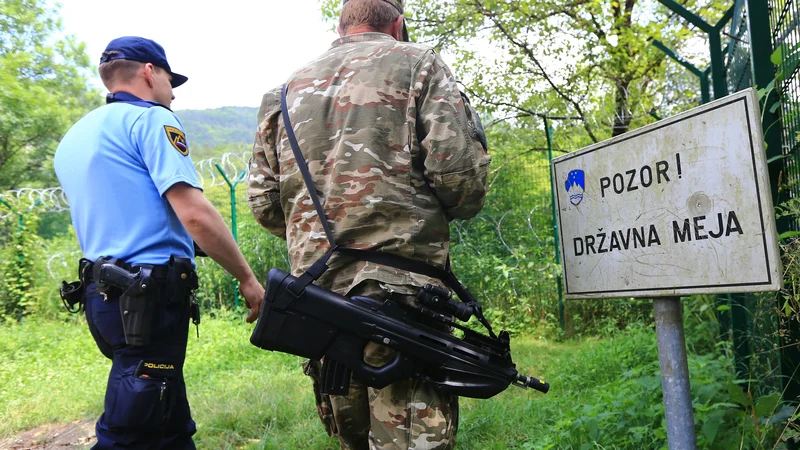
393	150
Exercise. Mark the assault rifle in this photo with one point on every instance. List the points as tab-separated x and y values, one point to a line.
302	319
317	323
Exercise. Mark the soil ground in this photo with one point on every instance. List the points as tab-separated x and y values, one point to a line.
77	435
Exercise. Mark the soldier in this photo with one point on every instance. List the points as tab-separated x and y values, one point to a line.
396	152
137	206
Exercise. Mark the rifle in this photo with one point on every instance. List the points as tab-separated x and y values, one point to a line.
302	319
319	323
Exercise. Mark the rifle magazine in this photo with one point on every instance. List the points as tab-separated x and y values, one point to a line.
335	378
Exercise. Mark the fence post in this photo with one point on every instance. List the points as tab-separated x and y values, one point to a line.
234	224
702	75
714	43
547	132
704	83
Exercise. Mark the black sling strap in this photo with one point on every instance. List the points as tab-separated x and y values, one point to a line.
387	259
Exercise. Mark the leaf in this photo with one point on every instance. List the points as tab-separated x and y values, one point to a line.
738	395
711	426
766	405
762	92
594	431
788	234
777	56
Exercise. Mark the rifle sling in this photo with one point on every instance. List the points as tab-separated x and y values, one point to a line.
387	259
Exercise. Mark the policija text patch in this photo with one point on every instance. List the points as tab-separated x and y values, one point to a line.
177	139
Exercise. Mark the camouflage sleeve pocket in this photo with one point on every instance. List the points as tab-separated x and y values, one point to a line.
266	209
477	133
462	193
455	178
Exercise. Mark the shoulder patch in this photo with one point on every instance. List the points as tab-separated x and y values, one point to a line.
177	139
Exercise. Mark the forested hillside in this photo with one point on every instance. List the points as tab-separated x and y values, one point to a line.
213	132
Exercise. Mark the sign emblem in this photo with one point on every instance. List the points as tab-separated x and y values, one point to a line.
575	185
177	139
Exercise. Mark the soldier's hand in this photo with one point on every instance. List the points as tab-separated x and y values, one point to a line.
253	294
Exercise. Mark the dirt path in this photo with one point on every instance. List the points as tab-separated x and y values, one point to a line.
77	435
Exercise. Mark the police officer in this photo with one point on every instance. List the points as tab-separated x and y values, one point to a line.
395	153
137	206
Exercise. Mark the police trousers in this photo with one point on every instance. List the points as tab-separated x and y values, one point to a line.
408	414
145	402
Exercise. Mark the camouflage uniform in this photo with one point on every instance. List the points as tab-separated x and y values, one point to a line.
395	155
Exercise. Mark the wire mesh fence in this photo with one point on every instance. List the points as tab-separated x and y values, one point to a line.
752	320
505	255
785	21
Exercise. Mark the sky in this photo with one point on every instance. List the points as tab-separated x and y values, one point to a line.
233	51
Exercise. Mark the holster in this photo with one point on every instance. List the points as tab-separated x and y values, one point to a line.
181	280
143	288
137	305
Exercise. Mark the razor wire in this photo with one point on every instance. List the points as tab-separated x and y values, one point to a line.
60	262
462	230
53	199
25	199
231	164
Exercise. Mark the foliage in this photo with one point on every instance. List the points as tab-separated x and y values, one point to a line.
591	60
21	248
605	392
43	90
789	310
28	275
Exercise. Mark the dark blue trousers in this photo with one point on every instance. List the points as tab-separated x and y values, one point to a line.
145	403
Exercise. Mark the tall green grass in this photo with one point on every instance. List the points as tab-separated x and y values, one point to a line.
605	393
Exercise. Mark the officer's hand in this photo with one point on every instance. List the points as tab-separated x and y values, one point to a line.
253	296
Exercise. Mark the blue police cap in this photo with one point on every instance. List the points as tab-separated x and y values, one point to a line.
143	50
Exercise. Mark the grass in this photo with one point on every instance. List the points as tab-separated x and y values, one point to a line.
605	393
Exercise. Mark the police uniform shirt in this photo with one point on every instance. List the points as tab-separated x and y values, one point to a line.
114	166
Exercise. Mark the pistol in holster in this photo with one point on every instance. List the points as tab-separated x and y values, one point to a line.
137	296
140	289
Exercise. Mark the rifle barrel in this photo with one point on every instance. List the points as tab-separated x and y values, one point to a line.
530	382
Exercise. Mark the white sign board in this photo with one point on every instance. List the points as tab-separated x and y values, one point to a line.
679	207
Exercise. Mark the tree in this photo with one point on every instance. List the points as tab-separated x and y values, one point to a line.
590	59
43	91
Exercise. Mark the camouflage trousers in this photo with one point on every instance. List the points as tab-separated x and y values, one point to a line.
409	414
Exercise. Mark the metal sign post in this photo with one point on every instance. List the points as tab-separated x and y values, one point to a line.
675	208
674	373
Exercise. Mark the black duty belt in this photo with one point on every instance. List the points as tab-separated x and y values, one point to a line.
109	273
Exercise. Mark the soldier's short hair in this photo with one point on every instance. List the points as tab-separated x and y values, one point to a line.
118	70
377	14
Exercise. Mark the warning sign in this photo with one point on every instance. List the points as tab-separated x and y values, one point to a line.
678	207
